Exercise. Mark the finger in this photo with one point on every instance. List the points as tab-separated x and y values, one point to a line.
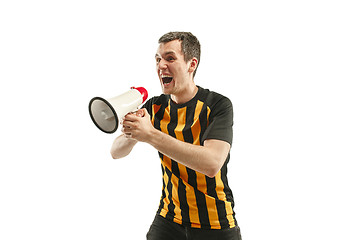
145	112
140	112
126	130
129	124
130	117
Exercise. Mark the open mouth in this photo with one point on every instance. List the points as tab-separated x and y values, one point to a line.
166	79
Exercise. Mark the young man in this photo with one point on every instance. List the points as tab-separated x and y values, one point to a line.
191	127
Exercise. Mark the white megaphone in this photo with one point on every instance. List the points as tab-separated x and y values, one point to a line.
107	113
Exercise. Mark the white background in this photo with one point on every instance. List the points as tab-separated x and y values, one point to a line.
291	69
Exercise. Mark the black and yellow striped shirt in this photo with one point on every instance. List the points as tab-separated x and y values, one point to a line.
188	197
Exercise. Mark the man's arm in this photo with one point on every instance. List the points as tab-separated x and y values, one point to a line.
207	159
122	146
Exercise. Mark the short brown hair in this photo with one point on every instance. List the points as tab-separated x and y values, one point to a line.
190	45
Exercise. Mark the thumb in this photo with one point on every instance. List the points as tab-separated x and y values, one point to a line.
141	112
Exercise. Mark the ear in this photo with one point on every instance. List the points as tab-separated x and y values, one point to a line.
193	64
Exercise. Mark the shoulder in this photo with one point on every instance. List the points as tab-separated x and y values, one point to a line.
214	99
220	112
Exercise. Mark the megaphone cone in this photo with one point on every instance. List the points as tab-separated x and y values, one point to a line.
106	113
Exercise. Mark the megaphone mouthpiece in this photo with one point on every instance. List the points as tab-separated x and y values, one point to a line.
143	92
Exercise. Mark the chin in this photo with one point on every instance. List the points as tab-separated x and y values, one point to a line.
166	91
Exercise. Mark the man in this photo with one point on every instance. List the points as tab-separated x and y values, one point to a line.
191	127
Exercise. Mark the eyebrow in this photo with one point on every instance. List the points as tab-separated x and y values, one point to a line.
167	53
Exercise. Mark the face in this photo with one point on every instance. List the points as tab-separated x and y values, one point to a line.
174	73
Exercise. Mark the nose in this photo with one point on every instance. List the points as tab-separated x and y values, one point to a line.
161	64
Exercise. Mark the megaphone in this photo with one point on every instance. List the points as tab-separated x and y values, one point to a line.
106	113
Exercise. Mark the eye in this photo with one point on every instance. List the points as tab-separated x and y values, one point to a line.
170	59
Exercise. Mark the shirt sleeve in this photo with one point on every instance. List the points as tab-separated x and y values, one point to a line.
220	122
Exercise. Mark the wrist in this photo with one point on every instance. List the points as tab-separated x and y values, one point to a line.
154	137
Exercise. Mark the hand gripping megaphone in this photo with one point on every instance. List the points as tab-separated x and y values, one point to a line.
107	113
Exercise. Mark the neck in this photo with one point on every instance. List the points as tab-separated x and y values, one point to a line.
186	95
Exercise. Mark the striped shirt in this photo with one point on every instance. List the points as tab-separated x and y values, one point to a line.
188	197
